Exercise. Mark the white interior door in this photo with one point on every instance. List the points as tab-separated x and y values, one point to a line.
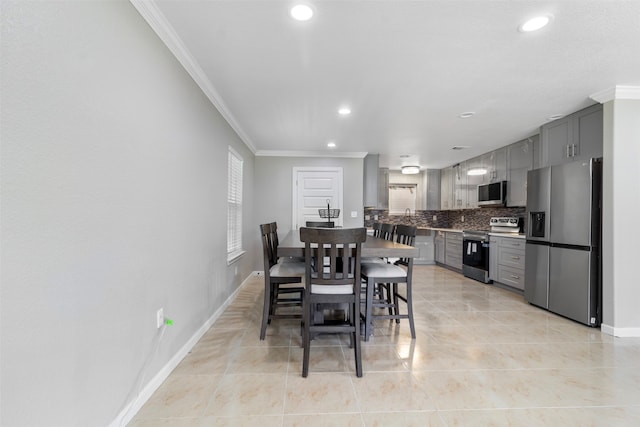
313	188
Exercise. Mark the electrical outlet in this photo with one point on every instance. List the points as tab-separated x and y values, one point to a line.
435	217
462	218
160	318
375	217
354	214
367	217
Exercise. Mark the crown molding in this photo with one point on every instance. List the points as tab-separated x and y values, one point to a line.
159	24
277	153
617	92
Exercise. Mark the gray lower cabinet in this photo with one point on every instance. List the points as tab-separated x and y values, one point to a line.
425	243
507	261
453	251
493	257
439	243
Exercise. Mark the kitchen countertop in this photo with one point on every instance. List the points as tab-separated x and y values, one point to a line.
450	230
426	231
512	235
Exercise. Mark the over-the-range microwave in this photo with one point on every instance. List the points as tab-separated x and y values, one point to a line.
492	194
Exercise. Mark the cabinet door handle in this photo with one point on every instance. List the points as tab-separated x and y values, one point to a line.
515	257
573	150
515	277
568	147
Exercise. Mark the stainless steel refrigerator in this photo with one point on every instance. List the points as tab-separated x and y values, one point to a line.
562	260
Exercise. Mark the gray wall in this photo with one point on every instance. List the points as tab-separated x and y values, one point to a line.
273	190
621	204
113	205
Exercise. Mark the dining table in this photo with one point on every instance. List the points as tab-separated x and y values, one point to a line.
291	246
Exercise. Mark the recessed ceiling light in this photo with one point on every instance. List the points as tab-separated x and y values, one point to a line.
331	145
467	114
534	24
344	111
301	12
404	156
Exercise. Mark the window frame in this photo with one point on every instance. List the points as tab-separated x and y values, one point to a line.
235	178
413	188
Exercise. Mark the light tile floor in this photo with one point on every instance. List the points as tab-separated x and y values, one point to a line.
482	357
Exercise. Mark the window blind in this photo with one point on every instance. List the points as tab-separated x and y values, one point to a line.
234	206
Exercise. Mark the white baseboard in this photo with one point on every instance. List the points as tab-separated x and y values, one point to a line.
620	332
131	409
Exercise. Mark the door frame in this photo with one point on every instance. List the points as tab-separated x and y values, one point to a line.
294	188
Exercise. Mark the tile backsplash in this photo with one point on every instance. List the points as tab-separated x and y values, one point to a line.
468	219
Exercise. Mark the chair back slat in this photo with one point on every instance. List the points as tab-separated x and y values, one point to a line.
377	228
342	247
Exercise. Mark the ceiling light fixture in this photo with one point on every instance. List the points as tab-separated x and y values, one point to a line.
459	147
410	170
477	171
344	111
467	114
331	145
301	12
535	24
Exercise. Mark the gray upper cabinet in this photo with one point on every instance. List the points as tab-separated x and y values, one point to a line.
520	160
371	176
495	162
383	188
575	137
460	186
376	183
446	188
474	180
433	189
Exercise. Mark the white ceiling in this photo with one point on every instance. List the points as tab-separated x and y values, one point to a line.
407	69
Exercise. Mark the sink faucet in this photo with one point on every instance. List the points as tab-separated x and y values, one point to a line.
407	214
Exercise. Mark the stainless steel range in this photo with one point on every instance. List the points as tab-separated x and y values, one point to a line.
475	246
475	255
508	224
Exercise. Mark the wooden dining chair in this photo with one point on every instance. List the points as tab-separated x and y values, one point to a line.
278	280
390	274
332	285
387	231
384	231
